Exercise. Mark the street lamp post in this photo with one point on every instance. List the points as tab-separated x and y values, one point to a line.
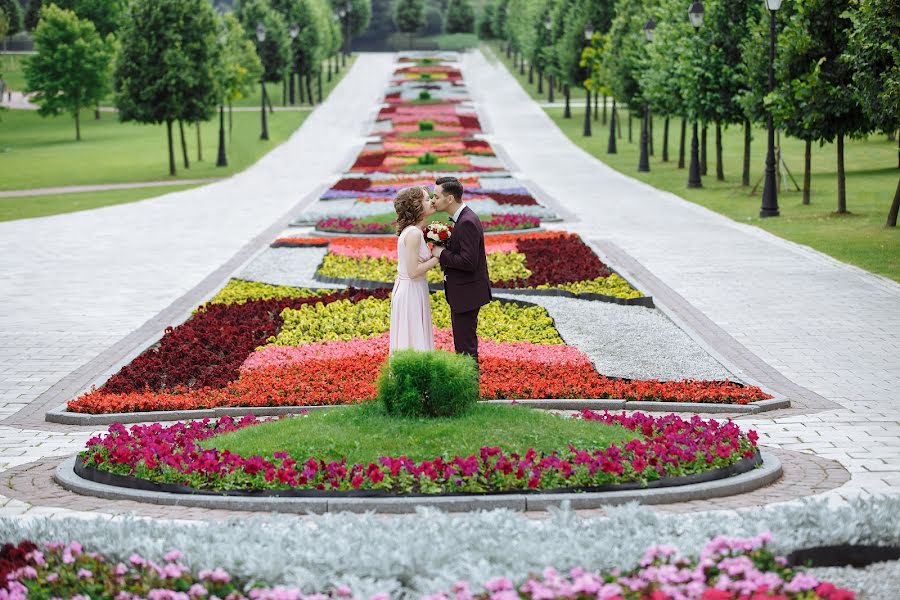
588	37
261	36
695	12
222	159
644	161
294	32
548	25
769	206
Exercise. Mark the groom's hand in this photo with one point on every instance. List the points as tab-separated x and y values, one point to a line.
436	251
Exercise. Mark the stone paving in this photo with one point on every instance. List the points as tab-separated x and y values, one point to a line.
97	276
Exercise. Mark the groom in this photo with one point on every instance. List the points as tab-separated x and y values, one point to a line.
466	283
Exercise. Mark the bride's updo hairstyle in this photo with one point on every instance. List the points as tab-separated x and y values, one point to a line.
408	204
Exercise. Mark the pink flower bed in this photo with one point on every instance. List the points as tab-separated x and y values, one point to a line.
282	356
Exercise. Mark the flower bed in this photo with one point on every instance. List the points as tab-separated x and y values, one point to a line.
727	569
538	261
667	447
245	351
502	222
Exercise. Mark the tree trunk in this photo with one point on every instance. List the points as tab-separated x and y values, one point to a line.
681	143
842	177
604	109
550	84
745	176
615	115
611	145
77	125
720	168
665	156
97	111
807	175
567	112
895	208
586	130
309	92
184	154
319	85
703	150
284	95
269	102
301	88
629	125
328	78
597	106
199	144
172	171
292	88
898	152
650	132
540	82
230	118
530	74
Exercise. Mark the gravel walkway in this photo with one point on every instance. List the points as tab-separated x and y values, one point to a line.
629	341
623	341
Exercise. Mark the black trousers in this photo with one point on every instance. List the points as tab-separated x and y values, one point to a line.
465	338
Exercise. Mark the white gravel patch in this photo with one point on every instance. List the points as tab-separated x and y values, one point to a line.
287	266
880	581
629	341
350	208
485	161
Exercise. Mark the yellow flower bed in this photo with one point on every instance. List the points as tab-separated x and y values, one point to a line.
238	291
345	320
502	266
613	286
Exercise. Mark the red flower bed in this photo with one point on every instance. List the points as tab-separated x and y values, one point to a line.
12	558
469	122
300	242
668	446
557	259
516	199
371	159
207	350
353	184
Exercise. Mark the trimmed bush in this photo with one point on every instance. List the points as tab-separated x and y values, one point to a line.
428	384
428	159
424	95
426	125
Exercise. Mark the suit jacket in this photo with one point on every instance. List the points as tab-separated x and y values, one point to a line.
466	282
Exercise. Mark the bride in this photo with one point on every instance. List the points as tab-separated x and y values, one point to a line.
411	327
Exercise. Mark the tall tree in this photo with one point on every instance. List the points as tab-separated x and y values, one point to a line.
71	67
166	68
275	50
13	11
874	55
106	15
237	72
817	97
409	17
460	17
486	20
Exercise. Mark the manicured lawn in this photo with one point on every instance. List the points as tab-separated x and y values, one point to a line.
365	432
42	206
859	238
11	71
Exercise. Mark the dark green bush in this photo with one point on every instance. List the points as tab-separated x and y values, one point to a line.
424	95
428	384
426	125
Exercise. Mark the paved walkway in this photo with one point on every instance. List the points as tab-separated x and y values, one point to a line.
825	325
104	187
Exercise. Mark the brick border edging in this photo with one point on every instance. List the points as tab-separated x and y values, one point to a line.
768	473
63	416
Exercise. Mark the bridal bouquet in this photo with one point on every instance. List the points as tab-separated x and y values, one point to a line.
438	233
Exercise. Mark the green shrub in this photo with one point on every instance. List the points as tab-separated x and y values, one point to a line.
425	76
424	95
426	125
428	159
428	384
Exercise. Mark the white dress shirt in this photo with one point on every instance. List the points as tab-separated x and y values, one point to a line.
458	212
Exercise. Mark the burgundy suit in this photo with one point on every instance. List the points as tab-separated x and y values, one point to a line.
466	283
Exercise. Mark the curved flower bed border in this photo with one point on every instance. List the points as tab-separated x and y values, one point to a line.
672	452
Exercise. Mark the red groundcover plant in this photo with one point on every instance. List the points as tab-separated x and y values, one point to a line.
669	446
727	569
208	349
557	259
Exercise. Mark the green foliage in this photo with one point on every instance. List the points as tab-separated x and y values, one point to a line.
13	11
485	21
71	67
239	68
409	16
426	125
428	159
424	95
275	51
873	53
360	14
4	25
625	54
106	15
460	17
314	41
499	21
428	384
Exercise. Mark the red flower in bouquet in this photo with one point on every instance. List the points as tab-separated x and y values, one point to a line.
438	233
